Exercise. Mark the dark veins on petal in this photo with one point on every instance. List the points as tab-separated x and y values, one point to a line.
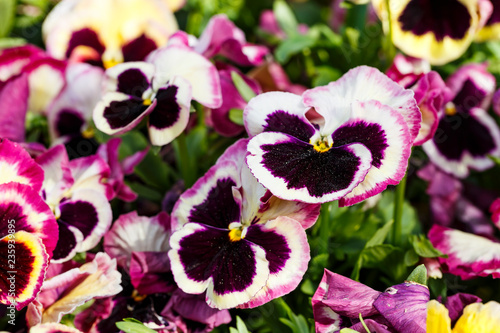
219	208
24	261
12	211
133	82
209	253
443	18
167	110
275	245
121	113
469	97
66	242
69	122
80	214
370	135
137	49
281	121
460	134
303	167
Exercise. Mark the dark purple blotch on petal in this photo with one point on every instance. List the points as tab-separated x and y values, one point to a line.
460	134
275	245
469	97
133	82
219	208
81	215
443	18
121	113
24	261
66	243
283	122
86	37
69	122
303	167
210	253
372	136
12	212
167	110
137	49
495	15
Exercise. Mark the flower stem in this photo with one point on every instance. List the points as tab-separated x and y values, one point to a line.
390	49
181	150
399	199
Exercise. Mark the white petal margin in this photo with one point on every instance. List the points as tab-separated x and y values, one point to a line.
289	277
261	106
469	255
461	167
114	72
395	160
279	187
160	137
197	194
53	328
104	216
177	60
365	83
102	123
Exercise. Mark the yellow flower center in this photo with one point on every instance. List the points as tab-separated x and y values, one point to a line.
235	235
450	109
88	133
138	297
147	101
322	146
110	63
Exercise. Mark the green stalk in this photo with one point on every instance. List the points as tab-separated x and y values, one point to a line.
399	199
185	166
356	17
390	49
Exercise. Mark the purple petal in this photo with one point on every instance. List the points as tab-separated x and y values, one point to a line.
372	325
13	106
150	273
405	306
69	238
456	304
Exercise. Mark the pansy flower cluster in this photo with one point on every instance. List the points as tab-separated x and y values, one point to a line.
167	166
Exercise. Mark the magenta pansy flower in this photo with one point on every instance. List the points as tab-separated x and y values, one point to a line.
236	242
360	144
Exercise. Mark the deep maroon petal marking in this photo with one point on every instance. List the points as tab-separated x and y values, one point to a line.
167	110
133	82
69	122
469	97
66	243
137	49
84	37
302	166
281	121
210	253
370	135
121	113
444	18
219	208
12	212
495	15
275	245
81	215
24	265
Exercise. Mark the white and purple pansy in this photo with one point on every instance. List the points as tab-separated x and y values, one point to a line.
469	255
466	134
234	242
339	302
359	145
78	198
161	89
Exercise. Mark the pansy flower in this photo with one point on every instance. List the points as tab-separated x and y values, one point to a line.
339	301
359	145
79	198
491	30
437	31
466	134
105	33
14	94
160	89
53	328
469	255
237	242
430	91
40	68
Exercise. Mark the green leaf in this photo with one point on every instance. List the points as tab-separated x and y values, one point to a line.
146	192
11	42
379	236
348	330
243	88
236	116
240	325
292	46
308	287
419	275
424	248
325	75
153	171
133	327
411	258
7	14
285	17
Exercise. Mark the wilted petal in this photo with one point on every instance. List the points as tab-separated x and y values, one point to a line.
53	328
405	306
469	255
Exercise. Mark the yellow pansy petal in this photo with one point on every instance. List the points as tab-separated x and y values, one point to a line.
477	317
438	320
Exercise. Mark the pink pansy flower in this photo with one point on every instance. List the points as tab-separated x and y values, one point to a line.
14	93
40	68
107	32
78	196
160	89
495	212
70	285
359	145
469	255
237	242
